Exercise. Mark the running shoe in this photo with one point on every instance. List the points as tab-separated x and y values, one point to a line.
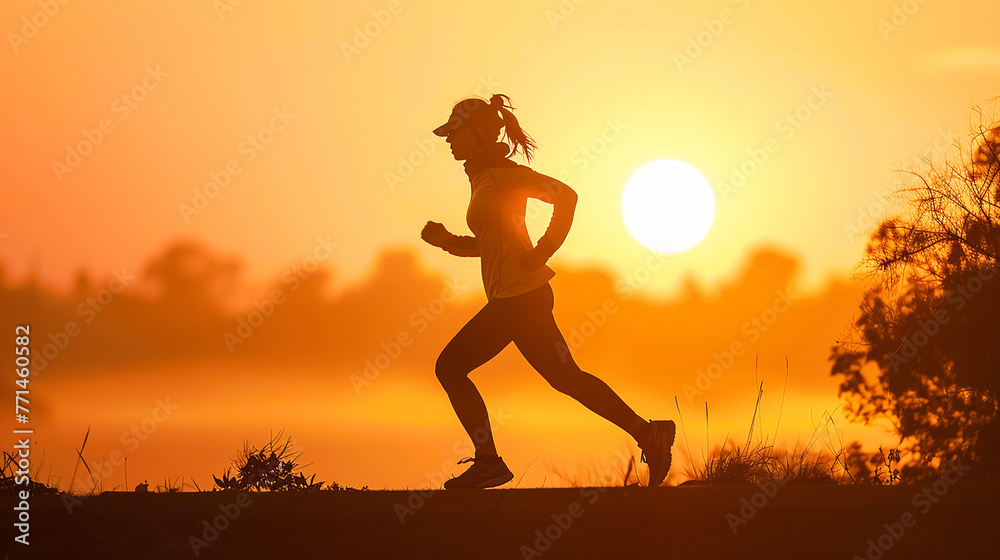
483	473
656	450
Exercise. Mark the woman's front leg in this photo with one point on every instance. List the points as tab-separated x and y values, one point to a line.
482	338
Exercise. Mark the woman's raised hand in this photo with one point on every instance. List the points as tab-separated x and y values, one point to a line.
435	234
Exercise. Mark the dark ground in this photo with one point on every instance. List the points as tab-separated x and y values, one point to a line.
811	522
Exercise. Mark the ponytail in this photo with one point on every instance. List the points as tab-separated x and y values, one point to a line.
512	130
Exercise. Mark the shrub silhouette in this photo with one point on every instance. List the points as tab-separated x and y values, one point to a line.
273	467
924	351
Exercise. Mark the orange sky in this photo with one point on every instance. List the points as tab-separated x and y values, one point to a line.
304	118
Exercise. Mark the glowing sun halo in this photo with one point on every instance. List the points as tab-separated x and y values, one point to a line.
668	206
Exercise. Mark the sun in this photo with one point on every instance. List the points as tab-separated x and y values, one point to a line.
668	206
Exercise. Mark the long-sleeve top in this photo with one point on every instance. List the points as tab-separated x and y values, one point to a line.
500	190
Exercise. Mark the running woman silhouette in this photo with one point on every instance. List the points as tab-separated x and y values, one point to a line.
516	279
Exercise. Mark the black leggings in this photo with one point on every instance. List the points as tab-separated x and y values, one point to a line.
527	321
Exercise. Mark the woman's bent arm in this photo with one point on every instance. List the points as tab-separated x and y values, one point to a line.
547	189
462	246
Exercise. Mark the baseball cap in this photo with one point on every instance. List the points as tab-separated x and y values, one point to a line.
471	112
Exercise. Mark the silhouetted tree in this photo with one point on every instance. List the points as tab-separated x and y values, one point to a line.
926	351
191	277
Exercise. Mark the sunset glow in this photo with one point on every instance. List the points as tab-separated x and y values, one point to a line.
220	204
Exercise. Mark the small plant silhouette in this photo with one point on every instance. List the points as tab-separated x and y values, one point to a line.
8	479
884	472
273	467
168	486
